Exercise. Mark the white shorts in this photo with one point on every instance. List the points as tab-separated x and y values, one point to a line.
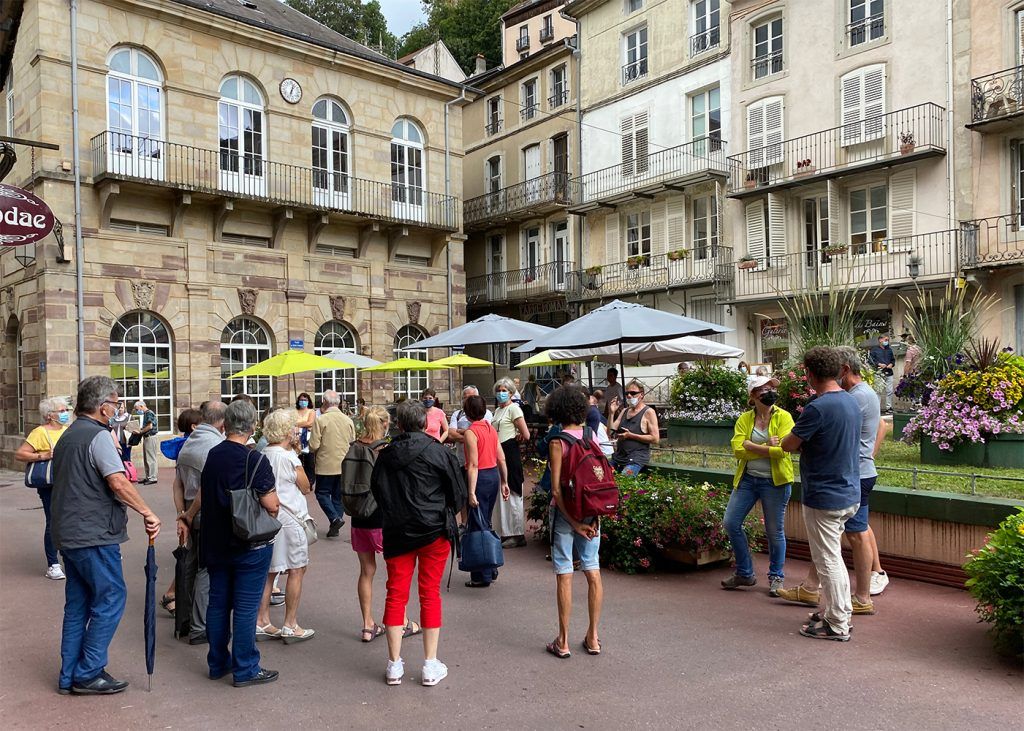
291	549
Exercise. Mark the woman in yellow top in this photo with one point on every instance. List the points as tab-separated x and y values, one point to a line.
38	447
764	472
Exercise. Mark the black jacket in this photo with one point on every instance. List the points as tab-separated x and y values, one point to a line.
419	487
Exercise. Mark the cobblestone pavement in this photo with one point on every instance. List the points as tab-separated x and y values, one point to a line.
678	653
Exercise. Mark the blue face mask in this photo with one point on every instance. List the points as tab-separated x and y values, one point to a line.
428	402
502	396
63	417
303	404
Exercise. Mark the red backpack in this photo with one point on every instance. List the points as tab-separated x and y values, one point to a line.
588	480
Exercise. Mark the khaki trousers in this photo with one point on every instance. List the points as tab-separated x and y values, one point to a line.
824	534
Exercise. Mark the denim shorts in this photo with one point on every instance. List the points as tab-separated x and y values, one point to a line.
859	522
564	539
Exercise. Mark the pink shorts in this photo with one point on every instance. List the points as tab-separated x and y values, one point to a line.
367	540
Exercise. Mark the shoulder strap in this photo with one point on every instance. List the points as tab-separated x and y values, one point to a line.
46	433
248	478
567	438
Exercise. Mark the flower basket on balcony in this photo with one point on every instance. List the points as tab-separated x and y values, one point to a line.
750	181
635	262
835	249
528	280
678	254
592	271
746	263
803	167
907	144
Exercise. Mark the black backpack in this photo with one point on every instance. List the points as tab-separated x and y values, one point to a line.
356	469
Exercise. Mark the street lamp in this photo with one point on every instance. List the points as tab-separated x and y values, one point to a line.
914	266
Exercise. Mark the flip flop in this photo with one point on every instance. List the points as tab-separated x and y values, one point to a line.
369	635
589	649
408	630
552	647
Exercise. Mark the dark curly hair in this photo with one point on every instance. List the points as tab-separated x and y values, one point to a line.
823	363
567	405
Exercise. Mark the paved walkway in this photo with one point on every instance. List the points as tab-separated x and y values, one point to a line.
679	653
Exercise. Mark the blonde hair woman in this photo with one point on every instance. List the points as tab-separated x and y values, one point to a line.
291	548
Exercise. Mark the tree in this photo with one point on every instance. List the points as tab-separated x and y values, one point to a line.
351	18
467	27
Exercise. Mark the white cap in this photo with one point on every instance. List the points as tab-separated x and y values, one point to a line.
758	381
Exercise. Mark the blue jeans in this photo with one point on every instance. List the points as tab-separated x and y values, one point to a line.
94	597
236	589
773	503
328	495
487	485
45	493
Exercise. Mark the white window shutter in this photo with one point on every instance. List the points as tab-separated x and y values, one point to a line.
724	230
1020	37
773	130
756	248
658	228
874	102
640	142
675	214
612	252
902	193
834	233
851	91
755	134
626	130
776	225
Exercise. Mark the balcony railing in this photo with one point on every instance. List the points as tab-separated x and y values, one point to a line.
886	262
229	174
693	161
547	191
493	127
531	283
547	33
866	29
522	43
558	99
881	141
697	266
997	97
766	65
991	242
529	111
633	71
705	40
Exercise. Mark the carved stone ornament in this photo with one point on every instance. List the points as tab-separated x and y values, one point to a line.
337	307
142	294
247	301
9	299
413	309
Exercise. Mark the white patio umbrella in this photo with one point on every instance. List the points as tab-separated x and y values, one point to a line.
688	347
359	361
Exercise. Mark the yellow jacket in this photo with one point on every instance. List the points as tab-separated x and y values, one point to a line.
780	424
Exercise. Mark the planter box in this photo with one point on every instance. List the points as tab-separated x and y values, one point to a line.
689	558
683	432
899	423
1000	450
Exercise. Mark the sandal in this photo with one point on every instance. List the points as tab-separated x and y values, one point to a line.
408	631
815	618
590	650
552	647
167	602
369	635
822	631
262	634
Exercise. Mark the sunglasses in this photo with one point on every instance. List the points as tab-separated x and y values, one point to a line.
632	393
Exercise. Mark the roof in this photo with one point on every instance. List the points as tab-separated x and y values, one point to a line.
529	8
490	74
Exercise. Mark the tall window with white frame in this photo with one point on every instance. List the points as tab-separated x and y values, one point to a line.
410	383
1017	183
631	6
330	151
493	125
867	21
559	87
9	104
705	227
707	20
493	176
331	337
134	114
869	218
243	343
634	49
638	239
407	164
243	142
706	121
767	51
529	99
142	364
531	252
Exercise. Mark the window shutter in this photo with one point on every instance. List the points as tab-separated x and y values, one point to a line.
773	130
612	254
755	134
833	213
640	142
675	214
852	102
755	232
902	189
723	229
776	245
658	229
874	102
627	145
863	99
1020	37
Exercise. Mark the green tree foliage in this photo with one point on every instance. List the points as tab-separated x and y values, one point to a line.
362	22
467	27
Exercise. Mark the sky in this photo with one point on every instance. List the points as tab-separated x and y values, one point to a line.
401	14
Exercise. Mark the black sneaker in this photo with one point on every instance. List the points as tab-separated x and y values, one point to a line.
102	684
335	528
199	639
736	581
263	676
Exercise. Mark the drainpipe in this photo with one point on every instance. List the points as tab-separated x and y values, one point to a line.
76	167
448	192
952	147
578	56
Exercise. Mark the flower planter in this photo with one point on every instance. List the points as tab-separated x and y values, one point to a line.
691	558
999	450
1005	450
906	148
684	432
746	264
899	423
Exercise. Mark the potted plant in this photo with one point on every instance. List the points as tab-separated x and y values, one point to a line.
906	143
835	249
592	276
678	254
750	181
989	570
804	167
705	402
635	262
746	262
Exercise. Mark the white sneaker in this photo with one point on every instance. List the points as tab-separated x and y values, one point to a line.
434	671
55	572
393	675
879	580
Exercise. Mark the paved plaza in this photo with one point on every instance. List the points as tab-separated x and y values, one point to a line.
678	653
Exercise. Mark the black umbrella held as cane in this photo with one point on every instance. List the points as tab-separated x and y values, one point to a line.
149	616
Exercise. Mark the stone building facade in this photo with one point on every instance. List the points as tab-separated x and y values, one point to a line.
251	181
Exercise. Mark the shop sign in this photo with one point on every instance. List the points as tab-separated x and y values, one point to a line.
24	218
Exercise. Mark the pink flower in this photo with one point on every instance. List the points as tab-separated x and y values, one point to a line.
645	562
638	542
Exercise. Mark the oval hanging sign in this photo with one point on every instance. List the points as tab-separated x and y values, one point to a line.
24	218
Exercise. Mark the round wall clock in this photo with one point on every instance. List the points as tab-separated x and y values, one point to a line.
291	92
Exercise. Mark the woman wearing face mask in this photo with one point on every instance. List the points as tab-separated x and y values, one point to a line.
510	424
38	447
437	422
764	472
744	368
306	415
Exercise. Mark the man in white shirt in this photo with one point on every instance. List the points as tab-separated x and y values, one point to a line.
459	423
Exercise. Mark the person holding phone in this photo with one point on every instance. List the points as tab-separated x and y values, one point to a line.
637	428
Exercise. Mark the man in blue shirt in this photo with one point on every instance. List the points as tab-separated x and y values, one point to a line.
827	435
882	358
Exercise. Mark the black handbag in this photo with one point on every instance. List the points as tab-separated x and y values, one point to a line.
40	474
481	548
250	521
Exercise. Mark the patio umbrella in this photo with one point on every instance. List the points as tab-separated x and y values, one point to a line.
486	330
688	347
149	615
359	361
544	359
405	364
291	362
460	361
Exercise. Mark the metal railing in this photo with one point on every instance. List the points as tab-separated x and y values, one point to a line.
866	29
547	32
558	99
679	268
705	40
884	138
997	95
992	241
530	111
551	189
522	43
531	283
633	71
883	262
227	173
770	63
706	155
493	128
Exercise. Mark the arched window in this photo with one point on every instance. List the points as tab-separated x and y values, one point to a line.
141	364
243	142
243	343
333	336
410	383
330	150
14	396
134	113
406	164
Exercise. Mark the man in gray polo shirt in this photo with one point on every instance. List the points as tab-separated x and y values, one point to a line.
89	523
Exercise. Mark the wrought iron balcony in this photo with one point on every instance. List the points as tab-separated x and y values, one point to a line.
558	99
231	175
516	202
698	266
694	162
547	33
520	285
866	29
992	242
529	111
633	71
883	141
705	40
885	262
997	100
493	127
770	63
523	43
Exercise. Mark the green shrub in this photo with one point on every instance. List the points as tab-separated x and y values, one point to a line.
709	392
996	581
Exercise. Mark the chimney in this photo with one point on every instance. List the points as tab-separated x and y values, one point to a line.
481	63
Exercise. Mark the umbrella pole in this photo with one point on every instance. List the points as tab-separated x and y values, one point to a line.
590	374
622	370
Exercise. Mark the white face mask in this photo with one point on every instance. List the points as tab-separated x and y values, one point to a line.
632	400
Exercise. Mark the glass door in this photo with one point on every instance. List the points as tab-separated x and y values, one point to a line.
817	263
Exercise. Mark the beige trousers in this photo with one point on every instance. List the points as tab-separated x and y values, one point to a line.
824	534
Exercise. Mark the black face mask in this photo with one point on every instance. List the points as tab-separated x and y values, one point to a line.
768	397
